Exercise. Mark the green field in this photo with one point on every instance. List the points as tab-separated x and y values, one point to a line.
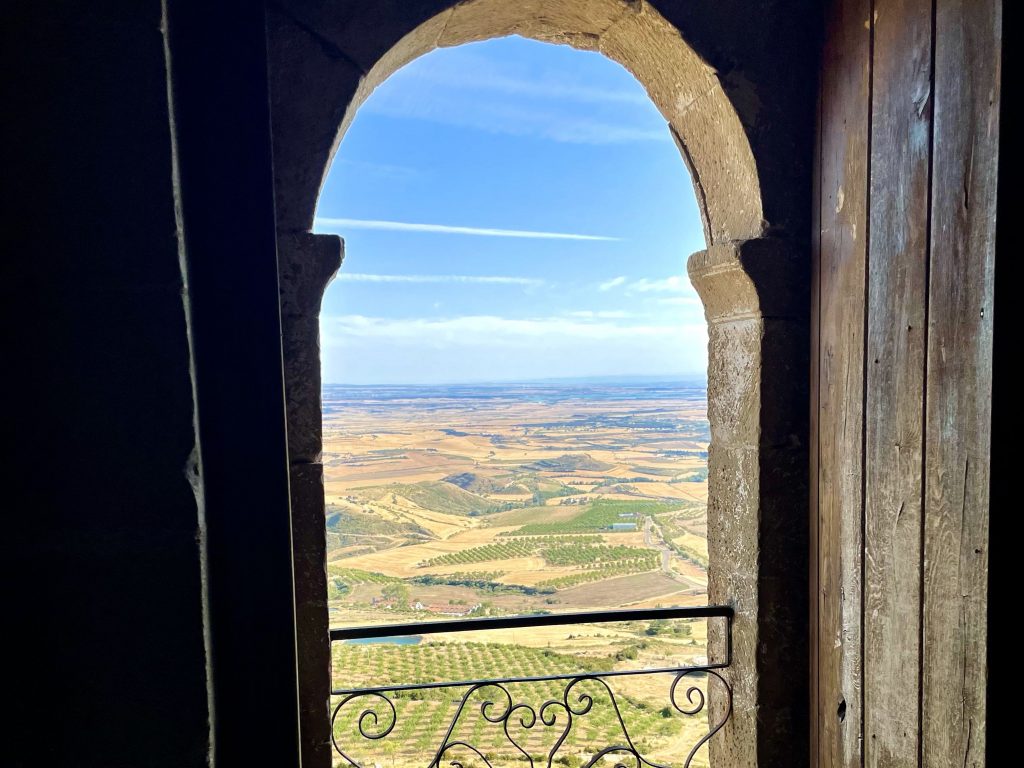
649	562
348	522
442	496
556	550
601	515
423	715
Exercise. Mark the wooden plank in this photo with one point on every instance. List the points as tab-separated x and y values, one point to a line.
959	381
843	210
897	313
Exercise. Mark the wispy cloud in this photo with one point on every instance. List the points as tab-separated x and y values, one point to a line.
387	171
672	284
491	348
518	98
601	314
466	70
362	277
324	222
473	330
615	282
681	301
554	123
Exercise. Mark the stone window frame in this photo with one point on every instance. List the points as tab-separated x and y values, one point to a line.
750	279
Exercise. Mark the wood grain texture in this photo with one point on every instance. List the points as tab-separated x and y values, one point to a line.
958	415
843	205
918	124
894	434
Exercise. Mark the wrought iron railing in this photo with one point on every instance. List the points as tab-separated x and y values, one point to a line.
498	706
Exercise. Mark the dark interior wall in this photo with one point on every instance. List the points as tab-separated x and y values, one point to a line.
218	65
113	662
766	56
109	666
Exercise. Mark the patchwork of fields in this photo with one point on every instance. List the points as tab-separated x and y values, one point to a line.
471	501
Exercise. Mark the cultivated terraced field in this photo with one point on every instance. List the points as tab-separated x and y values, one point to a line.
423	716
443	504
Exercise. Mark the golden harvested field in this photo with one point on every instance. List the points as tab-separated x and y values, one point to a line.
448	483
629	591
446	503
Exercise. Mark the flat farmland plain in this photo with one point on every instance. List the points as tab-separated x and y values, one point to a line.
452	502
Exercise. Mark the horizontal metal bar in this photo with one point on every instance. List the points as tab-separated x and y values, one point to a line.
538	679
525	622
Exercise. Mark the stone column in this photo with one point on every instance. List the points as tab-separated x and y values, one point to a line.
306	264
755	295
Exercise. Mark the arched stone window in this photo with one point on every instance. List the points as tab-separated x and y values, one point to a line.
326	58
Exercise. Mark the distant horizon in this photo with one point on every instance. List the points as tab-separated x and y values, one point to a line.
612	379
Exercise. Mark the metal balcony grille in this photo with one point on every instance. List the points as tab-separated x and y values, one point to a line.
532	729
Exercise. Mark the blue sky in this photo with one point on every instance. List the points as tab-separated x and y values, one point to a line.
512	211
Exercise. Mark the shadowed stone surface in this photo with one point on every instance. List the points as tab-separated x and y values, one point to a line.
758	345
306	264
311	618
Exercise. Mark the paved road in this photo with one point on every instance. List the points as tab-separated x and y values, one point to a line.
654	540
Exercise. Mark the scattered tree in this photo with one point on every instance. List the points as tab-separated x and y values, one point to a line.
397	593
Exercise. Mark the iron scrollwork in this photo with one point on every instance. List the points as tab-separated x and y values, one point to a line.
379	717
554	718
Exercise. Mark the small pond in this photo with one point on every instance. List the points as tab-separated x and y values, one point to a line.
403	640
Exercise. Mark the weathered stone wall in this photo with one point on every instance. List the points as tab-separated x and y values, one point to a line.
757	389
307	263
